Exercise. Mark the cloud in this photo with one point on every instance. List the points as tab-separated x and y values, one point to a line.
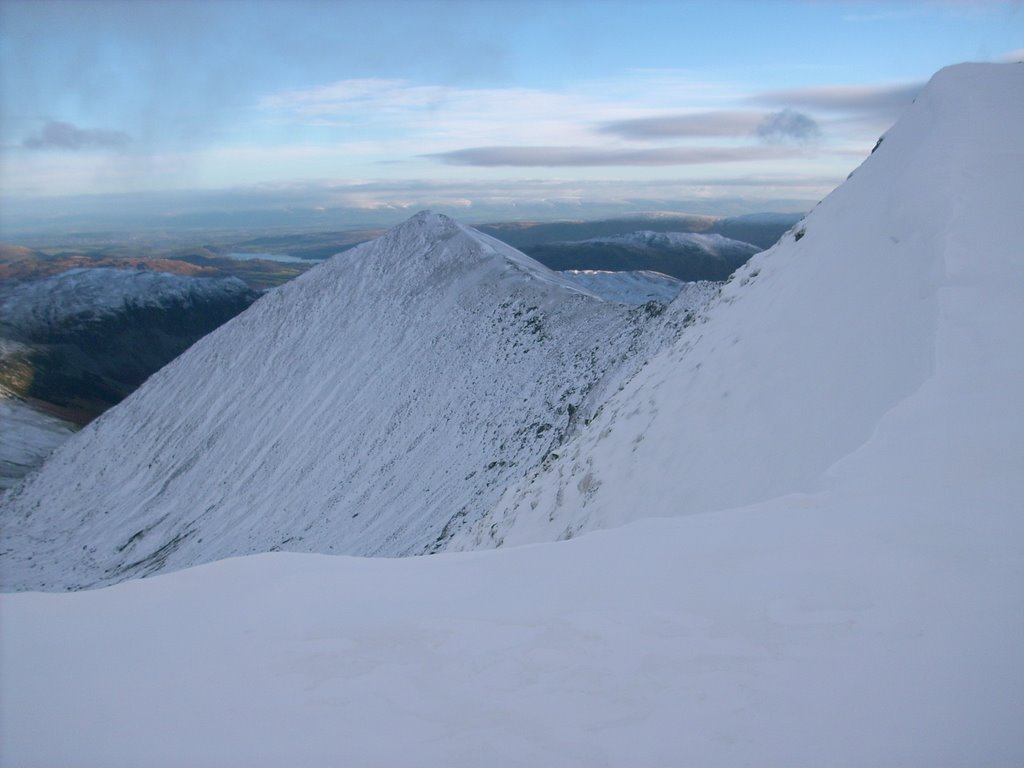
788	125
697	124
1012	57
448	117
578	157
864	99
356	94
58	135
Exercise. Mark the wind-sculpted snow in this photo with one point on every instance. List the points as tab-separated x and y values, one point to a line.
905	283
372	406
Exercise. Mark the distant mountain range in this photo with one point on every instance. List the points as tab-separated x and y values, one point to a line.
761	229
685	256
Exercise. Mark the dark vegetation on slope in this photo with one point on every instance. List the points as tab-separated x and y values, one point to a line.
86	364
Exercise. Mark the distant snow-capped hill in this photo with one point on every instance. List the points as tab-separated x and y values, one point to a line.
687	256
760	229
42	308
374	405
86	338
713	244
639	287
527	234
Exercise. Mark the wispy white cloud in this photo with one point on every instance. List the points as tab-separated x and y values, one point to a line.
449	116
552	157
381	129
344	96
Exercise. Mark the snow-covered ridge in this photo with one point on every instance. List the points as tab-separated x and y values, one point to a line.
374	405
439	243
713	243
811	357
79	294
641	286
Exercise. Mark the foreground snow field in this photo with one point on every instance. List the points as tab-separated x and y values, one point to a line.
811	631
838	580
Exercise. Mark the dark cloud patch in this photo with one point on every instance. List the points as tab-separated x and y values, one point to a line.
787	126
576	157
698	124
868	100
57	135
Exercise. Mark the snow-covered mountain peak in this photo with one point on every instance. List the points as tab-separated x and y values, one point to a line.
436	249
425	227
374	405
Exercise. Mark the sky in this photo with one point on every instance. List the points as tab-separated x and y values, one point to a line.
354	112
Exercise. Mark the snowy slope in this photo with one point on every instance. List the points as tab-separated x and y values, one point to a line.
821	344
27	437
813	631
876	619
372	406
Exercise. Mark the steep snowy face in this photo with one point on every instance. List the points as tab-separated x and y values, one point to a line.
374	405
882	334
